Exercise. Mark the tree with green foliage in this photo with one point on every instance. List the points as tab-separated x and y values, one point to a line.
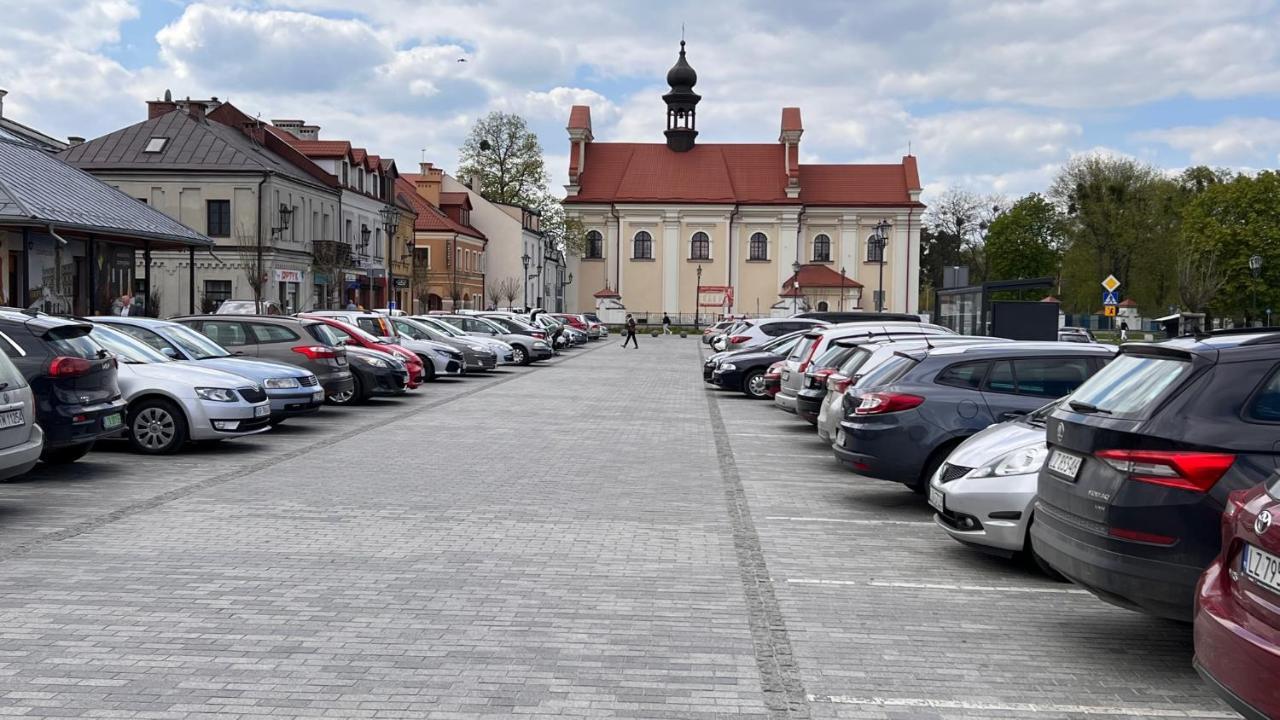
1025	241
1229	222
506	156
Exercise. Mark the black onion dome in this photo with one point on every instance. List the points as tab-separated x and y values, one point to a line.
681	76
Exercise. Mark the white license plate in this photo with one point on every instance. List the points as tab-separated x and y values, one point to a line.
1064	463
937	499
1262	566
112	421
262	411
785	374
12	418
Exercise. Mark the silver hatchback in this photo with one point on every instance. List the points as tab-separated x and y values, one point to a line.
21	439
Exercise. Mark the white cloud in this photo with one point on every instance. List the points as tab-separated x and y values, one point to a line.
1249	142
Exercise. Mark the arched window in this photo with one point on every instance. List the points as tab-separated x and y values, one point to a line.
759	248
822	306
875	249
700	246
821	249
642	246
595	245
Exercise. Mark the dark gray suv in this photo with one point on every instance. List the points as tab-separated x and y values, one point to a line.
927	401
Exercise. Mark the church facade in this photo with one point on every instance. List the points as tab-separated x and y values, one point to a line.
744	226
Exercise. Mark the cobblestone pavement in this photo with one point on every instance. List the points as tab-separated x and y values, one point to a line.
601	537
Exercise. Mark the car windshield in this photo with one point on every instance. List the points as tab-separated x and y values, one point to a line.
193	344
129	350
376	326
1130	385
445	328
887	372
491	325
416	329
356	332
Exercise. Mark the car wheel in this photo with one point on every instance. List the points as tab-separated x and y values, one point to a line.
428	369
349	397
753	386
519	355
157	427
65	455
935	461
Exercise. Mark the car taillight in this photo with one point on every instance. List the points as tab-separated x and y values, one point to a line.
538	336
68	367
1185	470
1139	536
739	338
316	352
838	383
881	403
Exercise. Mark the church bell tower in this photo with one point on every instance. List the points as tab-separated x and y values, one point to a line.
682	102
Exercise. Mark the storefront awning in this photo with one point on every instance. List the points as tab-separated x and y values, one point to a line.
40	191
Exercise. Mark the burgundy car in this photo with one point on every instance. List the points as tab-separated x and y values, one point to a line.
1237	629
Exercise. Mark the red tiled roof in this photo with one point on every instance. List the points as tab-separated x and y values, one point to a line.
913	172
606	293
580	117
455	198
430	218
316	148
729	173
819	276
1128	302
791	119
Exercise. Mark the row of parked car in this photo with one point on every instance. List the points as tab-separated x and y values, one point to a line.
1148	474
68	383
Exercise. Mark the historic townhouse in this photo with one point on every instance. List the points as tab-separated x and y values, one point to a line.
211	167
449	252
767	233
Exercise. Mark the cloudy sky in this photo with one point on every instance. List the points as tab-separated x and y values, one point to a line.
989	94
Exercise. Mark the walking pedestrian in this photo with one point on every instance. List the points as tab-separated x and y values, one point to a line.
1124	331
666	324
123	305
631	332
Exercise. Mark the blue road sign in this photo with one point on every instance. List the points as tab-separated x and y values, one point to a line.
1110	297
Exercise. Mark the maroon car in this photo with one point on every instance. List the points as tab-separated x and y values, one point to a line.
1237	631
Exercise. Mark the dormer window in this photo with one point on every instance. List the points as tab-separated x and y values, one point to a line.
156	144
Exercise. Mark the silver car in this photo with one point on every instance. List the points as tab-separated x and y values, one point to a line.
21	438
750	333
501	348
173	401
476	356
522	346
984	493
815	343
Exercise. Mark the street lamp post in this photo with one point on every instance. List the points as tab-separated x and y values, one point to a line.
365	232
525	260
795	287
1255	267
286	212
697	295
843	280
390	223
881	240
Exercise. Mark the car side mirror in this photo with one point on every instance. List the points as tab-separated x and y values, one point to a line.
170	352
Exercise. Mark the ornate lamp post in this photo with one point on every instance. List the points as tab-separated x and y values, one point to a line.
843	280
525	260
1255	267
697	295
286	212
390	223
795	287
365	232
880	240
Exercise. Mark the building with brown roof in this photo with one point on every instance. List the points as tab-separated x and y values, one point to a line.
449	252
749	216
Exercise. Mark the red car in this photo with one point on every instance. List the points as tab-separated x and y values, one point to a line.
773	379
1237	629
417	373
578	322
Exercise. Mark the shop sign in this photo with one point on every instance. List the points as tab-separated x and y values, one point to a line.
294	276
401	282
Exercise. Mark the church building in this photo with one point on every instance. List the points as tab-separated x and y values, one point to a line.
737	228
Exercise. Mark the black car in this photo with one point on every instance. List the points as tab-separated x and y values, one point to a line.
72	377
374	373
929	401
814	389
836	318
1142	459
744	369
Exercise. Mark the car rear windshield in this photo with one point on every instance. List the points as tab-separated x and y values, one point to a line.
375	326
323	333
73	341
854	363
802	348
887	373
832	357
1131	385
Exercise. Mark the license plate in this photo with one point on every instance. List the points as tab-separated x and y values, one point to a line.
262	411
112	421
12	418
937	499
786	374
1263	567
1064	464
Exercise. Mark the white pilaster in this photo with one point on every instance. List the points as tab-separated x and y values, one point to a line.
613	254
849	244
896	300
788	242
671	262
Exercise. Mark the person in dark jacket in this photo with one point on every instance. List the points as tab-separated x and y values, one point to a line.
631	332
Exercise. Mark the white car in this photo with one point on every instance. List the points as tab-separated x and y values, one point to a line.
985	492
173	401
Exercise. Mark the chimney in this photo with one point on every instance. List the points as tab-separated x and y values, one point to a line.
254	129
156	108
309	132
74	140
195	109
429	182
2	94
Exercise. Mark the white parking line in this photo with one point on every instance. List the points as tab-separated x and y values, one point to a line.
778	435
848	520
1022	707
940	586
789	456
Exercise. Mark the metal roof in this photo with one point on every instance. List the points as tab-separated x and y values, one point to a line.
191	144
39	190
